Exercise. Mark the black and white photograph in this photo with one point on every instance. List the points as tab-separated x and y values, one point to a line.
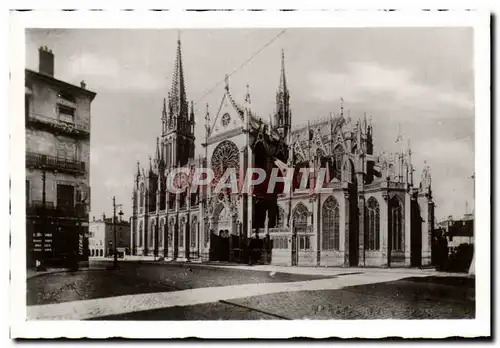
249	174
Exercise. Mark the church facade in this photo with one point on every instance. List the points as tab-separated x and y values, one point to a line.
370	210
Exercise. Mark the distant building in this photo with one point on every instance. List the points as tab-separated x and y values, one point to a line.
57	116
459	231
101	237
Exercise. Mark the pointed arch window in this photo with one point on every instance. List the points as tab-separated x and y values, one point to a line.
396	224
181	233
170	233
151	234
161	233
141	193
331	225
372	224
140	234
300	215
193	238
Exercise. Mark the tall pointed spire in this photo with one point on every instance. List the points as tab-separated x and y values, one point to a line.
177	98
282	87
282	119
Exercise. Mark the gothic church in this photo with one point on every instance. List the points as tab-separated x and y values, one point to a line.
369	213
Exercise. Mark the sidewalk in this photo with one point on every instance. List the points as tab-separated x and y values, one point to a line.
306	270
340	270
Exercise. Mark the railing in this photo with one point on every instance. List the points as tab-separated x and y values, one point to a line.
281	230
36	208
58	125
396	185
36	160
374	185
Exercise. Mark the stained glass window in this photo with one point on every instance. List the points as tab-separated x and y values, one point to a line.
331	225
396	224
193	237
181	233
225	155
372	224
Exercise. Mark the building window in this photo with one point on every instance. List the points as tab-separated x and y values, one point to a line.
170	232
151	234
304	243
140	234
331	225
181	233
66	113
193	237
396	224
141	198
372	224
65	197
67	150
300	215
161	232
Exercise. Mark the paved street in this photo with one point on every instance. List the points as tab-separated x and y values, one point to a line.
162	291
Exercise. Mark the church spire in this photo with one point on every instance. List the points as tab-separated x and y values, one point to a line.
282	119
282	87
177	98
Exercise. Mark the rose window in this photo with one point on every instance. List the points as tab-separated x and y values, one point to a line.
225	155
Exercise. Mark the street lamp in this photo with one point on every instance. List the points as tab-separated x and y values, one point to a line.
115	257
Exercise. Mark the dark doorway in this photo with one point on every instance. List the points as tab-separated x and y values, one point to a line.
220	246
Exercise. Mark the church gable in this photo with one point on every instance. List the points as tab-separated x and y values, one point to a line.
229	118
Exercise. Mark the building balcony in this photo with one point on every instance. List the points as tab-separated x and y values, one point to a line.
46	162
57	126
37	209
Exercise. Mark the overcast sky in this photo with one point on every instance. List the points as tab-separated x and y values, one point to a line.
419	78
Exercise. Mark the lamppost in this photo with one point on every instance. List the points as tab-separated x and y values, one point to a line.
115	257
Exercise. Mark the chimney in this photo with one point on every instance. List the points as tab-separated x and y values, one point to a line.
93	218
103	216
45	61
83	84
